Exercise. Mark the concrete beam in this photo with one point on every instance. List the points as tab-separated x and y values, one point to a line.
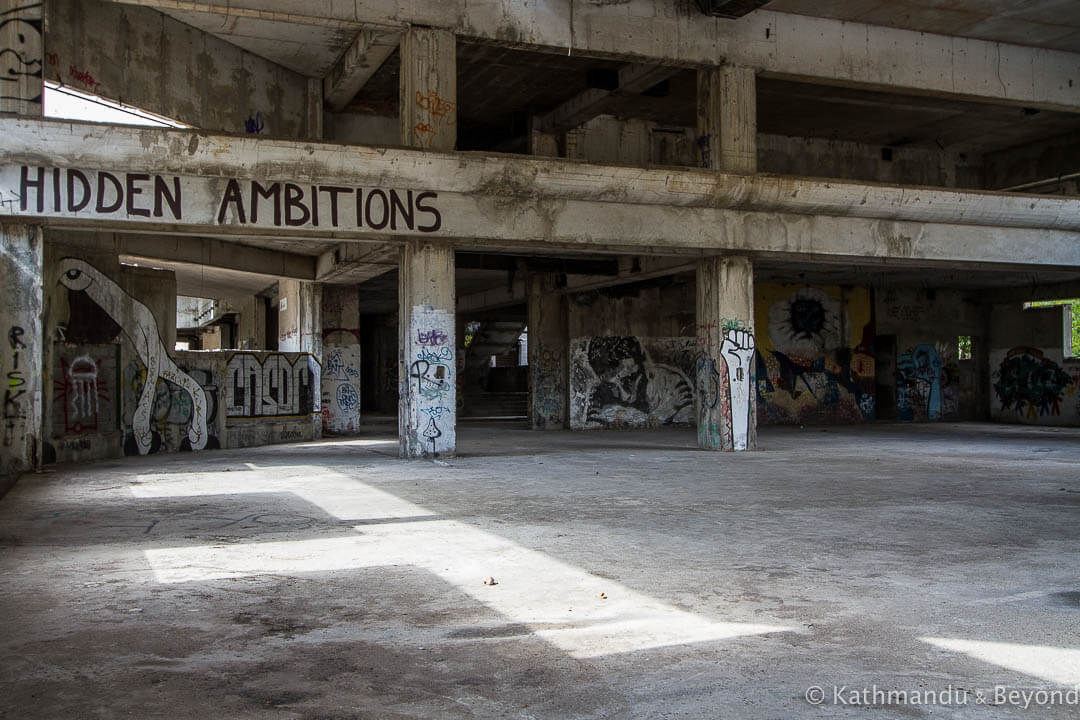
493	299
778	44
364	56
631	270
517	202
351	263
633	79
202	251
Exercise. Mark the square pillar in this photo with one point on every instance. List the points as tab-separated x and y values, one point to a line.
549	352
428	89
727	119
725	389
427	374
22	339
21	304
300	317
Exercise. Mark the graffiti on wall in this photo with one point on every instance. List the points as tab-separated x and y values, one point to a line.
20	55
341	388
172	409
547	379
271	385
1033	386
631	382
433	112
430	383
816	363
84	389
920	384
139	326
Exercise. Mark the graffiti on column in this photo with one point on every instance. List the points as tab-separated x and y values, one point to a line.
548	382
138	324
341	388
919	384
433	112
431	379
20	55
272	386
737	351
14	390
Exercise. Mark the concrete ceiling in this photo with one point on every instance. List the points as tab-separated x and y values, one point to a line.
1039	23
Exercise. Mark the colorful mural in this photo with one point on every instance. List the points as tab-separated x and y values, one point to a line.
816	363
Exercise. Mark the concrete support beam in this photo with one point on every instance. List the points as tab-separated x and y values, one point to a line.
428	95
780	44
201	251
365	55
354	263
21	350
500	297
726	396
525	202
427	379
549	353
22	45
633	79
315	114
631	269
727	119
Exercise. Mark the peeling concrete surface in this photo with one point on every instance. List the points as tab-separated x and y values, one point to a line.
332	580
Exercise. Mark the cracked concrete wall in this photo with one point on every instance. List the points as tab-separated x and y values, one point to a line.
146	59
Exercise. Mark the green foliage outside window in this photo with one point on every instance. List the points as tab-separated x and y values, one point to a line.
1075	305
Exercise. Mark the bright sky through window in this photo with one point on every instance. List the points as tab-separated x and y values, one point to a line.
70	104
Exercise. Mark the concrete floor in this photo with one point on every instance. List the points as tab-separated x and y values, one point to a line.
331	580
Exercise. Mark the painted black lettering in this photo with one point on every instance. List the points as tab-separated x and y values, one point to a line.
15	337
56	189
72	176
232	195
334	191
161	192
359	208
436	221
315	206
118	189
404	207
271	193
385	215
26	183
294	198
132	191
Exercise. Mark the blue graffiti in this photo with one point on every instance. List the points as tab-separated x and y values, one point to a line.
918	379
347	397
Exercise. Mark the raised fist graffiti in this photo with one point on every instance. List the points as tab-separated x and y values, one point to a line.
737	350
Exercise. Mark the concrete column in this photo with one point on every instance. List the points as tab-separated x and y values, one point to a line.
727	119
21	260
726	396
22	45
549	353
428	90
300	317
427	380
315	116
21	265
